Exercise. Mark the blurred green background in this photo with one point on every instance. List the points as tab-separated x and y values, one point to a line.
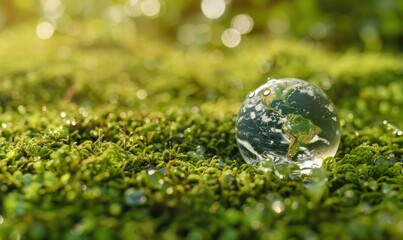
373	25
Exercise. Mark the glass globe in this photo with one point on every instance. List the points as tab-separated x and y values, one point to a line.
287	121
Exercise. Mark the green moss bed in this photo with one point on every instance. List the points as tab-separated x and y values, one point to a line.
106	137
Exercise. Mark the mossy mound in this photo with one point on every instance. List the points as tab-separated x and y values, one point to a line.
105	138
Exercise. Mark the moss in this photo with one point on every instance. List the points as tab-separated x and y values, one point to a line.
136	140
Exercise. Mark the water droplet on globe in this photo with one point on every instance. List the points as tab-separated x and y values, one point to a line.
288	121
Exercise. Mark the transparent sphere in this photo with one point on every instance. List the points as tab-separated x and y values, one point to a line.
288	121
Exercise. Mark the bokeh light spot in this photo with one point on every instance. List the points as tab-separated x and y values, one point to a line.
141	94
279	25
132	8
151	8
53	9
243	23
189	34
216	56
185	34
114	14
45	30
213	9
318	31
278	206
64	52
231	38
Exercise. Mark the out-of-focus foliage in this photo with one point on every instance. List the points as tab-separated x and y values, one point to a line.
365	25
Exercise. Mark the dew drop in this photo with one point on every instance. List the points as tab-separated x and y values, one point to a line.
134	197
266	92
200	149
151	171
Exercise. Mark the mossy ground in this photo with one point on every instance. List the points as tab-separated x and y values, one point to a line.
106	138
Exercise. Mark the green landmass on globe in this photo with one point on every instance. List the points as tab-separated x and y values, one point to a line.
300	130
281	92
